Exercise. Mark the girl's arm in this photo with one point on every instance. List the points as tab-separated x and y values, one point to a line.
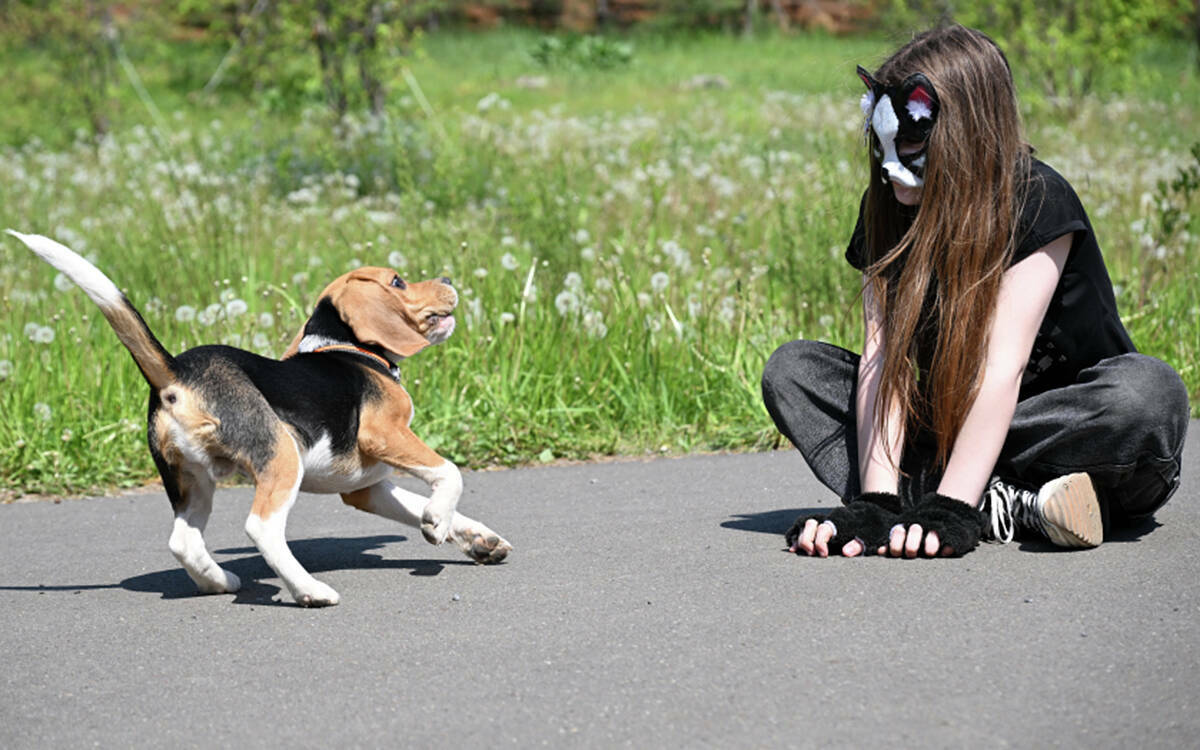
877	472
1025	294
878	454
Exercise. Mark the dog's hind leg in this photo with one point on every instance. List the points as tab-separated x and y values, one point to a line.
277	482
192	509
476	540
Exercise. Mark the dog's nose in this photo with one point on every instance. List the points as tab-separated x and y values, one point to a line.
447	281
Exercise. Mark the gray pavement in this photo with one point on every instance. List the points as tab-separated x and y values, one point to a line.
646	604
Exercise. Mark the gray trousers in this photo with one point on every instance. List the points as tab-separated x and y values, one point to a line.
1123	421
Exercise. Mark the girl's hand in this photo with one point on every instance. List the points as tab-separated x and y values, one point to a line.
848	530
814	540
922	529
908	543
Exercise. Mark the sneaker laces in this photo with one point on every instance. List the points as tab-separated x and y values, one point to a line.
1010	507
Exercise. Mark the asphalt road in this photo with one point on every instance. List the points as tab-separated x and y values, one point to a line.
646	604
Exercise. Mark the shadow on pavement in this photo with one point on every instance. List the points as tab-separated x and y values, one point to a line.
316	555
771	521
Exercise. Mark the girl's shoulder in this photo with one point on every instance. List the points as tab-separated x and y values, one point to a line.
1050	209
1045	183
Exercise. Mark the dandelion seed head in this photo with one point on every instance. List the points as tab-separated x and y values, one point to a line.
6	369
659	282
506	318
185	313
396	259
509	262
41	411
62	283
261	341
31	330
266	320
566	302
44	335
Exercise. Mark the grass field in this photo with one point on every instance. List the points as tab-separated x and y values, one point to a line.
629	245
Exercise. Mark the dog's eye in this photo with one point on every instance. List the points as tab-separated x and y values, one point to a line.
399	283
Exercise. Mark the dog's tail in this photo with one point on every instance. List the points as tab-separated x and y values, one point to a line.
155	362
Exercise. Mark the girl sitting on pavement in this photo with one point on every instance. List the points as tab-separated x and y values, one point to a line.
998	392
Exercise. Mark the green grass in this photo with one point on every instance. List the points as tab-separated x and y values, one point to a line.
685	232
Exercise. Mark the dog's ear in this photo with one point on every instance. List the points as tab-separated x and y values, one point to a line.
362	305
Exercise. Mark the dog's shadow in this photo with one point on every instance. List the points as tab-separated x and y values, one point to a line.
316	555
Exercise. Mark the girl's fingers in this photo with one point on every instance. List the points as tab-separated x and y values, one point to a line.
853	548
912	545
825	532
932	543
805	541
896	541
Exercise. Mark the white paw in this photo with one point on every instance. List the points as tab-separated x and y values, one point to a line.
315	594
223	583
435	527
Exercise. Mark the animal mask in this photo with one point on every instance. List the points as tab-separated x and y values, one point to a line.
900	113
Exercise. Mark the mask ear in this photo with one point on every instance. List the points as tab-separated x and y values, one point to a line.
360	304
865	75
920	98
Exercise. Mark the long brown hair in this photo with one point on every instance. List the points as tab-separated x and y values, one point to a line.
940	279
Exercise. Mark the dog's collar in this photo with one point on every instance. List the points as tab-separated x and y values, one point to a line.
391	369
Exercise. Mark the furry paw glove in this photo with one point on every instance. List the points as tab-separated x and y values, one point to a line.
868	517
957	524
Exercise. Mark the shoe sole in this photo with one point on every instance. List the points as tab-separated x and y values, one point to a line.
1071	512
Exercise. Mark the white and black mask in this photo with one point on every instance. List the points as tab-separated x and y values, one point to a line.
900	113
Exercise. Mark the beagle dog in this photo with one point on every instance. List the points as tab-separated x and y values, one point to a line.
331	416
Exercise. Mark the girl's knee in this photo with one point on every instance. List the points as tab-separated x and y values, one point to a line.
1151	392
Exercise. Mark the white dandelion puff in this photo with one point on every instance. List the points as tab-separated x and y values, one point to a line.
566	302
235	307
62	283
509	262
185	313
506	318
31	330
44	335
266	320
573	282
396	259
659	282
6	369
42	411
261	341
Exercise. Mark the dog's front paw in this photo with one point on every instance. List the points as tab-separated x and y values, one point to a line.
223	582
435	527
486	548
315	594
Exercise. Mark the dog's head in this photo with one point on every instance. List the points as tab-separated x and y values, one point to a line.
384	310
